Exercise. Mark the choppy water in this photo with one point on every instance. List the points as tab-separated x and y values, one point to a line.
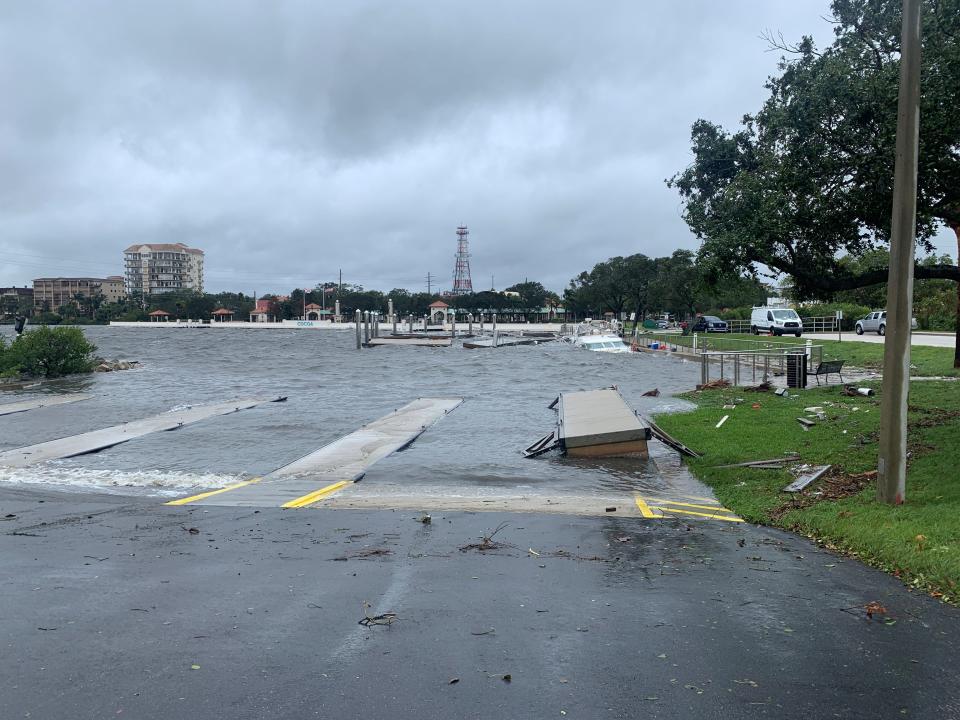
332	390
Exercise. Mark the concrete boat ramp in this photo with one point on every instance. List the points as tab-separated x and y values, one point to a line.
333	467
108	437
40	402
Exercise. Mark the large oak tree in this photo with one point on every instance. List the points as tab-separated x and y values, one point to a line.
809	178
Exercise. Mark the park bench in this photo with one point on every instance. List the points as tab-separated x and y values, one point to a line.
827	367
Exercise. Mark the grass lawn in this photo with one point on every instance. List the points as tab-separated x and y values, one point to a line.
918	541
928	361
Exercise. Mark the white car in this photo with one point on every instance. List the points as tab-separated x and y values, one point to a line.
776	321
877	322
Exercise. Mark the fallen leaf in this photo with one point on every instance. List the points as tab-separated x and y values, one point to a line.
453	681
194	667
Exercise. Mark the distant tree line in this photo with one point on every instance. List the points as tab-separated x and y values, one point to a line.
647	286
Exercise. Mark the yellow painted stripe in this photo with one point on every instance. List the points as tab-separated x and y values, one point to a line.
201	496
316	495
645	509
731	518
664	501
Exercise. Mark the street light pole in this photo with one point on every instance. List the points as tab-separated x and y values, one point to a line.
892	464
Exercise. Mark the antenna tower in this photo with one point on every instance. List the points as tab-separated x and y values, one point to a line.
462	284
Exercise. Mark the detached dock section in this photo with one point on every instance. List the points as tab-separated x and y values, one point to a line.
333	467
108	437
599	423
41	402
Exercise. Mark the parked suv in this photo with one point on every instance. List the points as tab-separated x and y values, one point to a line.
709	323
877	322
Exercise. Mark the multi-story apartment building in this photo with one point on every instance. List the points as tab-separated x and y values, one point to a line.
152	269
113	288
50	294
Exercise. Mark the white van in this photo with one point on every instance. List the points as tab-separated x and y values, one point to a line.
776	321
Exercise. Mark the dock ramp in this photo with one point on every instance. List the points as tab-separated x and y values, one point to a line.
108	437
41	402
333	467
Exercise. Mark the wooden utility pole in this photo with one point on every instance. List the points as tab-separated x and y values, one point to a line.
892	465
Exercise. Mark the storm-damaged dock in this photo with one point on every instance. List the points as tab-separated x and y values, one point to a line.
95	440
333	467
594	423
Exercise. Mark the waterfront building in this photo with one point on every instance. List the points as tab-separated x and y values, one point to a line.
438	312
159	316
264	311
222	315
50	294
157	268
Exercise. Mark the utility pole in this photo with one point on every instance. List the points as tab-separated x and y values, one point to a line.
892	464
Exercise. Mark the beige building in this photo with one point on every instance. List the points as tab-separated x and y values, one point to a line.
153	269
113	288
50	294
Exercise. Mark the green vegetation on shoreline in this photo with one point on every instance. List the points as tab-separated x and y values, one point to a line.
47	353
918	541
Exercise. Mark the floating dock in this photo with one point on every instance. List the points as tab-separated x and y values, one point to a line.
42	402
417	341
108	437
333	467
505	340
599	423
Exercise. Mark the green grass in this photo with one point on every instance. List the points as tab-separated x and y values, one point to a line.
918	541
928	361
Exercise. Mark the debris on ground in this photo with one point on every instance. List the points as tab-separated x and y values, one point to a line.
809	474
533	552
652	393
772	463
610	509
715	385
491	631
782	392
192	530
487	542
806	423
669	440
425	519
874	608
363	554
722	421
368	620
762	387
453	681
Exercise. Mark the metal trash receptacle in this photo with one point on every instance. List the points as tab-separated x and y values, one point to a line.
797	370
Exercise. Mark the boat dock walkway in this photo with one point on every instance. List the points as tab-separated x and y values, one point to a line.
41	402
108	437
598	423
333	467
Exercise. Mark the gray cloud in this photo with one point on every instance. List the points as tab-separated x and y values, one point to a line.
291	139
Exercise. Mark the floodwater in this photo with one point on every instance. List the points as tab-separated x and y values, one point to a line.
333	389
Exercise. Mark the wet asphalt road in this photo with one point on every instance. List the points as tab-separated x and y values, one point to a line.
112	608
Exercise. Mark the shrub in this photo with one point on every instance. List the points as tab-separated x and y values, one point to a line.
50	352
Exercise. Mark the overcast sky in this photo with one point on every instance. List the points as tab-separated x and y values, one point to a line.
291	139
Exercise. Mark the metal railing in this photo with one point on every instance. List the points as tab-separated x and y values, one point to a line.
736	366
700	343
